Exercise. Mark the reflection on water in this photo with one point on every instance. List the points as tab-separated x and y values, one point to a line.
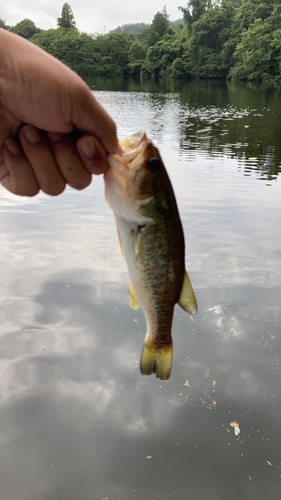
218	118
77	418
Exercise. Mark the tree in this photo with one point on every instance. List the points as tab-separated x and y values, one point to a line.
137	53
25	28
135	28
66	21
254	57
84	54
159	25
3	24
194	10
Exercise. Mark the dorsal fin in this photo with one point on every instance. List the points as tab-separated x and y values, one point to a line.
187	298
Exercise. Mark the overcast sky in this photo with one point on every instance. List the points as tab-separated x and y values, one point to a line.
90	15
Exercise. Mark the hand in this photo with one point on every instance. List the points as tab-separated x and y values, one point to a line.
43	105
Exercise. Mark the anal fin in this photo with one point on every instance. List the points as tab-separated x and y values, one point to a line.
187	298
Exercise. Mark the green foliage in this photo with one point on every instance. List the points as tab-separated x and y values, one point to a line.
113	51
25	28
194	10
209	34
136	28
137	54
253	55
3	24
84	54
177	22
257	55
236	39
158	28
66	21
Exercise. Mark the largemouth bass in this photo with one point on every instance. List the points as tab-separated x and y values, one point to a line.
139	191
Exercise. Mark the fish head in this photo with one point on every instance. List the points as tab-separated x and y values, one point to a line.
134	178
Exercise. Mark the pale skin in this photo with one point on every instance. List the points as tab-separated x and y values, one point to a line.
44	107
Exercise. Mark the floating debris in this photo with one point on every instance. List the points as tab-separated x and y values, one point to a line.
187	384
236	428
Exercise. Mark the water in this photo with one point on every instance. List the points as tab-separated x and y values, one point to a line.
78	421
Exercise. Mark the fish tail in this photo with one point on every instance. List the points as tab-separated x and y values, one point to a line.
156	359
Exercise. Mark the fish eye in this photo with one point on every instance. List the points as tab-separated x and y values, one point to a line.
153	164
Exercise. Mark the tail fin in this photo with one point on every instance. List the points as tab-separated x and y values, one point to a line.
155	359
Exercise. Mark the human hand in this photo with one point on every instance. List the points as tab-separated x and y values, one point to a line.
43	105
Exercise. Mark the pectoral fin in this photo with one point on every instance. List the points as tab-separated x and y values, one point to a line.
121	244
187	298
133	301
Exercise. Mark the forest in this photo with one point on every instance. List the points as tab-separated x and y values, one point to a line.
227	39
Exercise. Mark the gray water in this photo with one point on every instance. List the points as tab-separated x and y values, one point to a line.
77	419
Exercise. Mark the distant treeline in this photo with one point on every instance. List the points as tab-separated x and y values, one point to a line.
237	39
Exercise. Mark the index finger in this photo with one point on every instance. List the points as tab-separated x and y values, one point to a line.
89	116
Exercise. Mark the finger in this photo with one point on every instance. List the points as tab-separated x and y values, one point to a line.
41	158
92	154
17	174
68	161
90	117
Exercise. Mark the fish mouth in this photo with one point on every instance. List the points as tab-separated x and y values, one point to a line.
133	146
120	176
133	141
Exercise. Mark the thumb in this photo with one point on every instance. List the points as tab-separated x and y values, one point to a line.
91	118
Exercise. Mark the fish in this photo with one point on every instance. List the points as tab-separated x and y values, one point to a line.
139	191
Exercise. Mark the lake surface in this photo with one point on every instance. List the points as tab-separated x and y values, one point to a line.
77	419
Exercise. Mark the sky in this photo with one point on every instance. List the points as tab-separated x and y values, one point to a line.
91	16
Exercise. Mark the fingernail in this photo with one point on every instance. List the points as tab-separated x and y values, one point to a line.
12	146
31	133
54	136
88	147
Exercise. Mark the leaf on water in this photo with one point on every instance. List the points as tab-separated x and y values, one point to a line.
148	456
269	463
234	424
187	383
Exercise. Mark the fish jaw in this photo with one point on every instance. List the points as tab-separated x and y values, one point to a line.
119	178
118	198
